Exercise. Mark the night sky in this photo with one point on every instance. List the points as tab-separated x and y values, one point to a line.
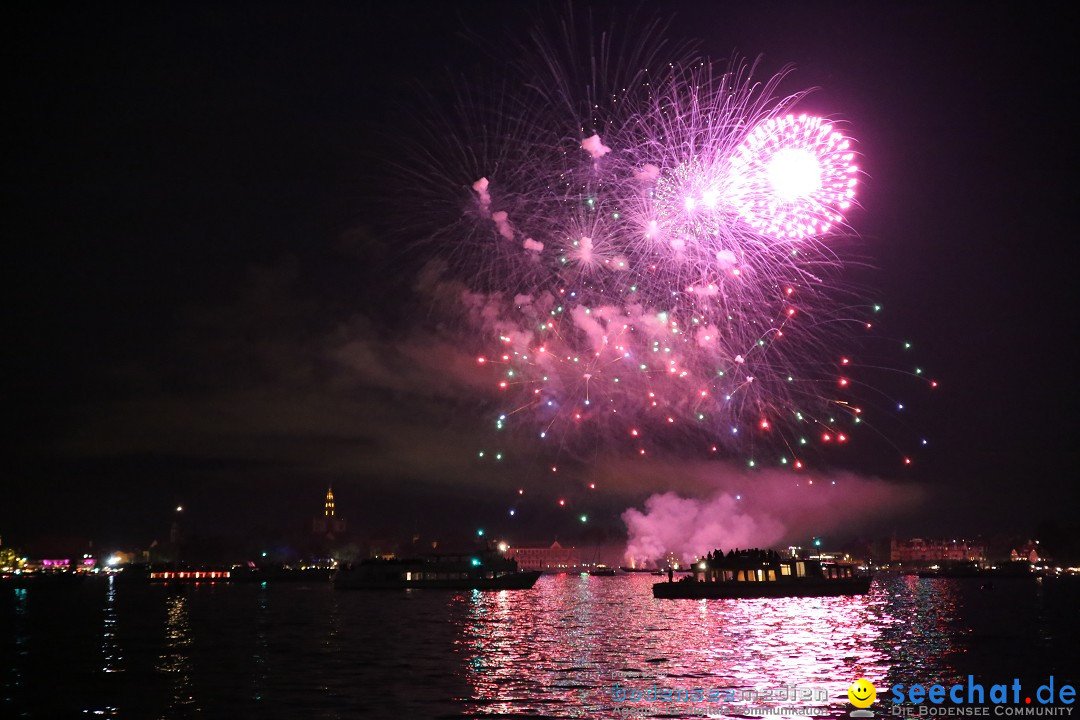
210	302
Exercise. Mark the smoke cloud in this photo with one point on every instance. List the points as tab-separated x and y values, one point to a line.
502	224
763	509
480	187
690	528
647	173
595	147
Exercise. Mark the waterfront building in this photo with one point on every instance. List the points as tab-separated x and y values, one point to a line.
919	552
547	559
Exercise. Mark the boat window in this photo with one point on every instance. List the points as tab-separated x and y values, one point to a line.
800	569
772	575
785	569
741	577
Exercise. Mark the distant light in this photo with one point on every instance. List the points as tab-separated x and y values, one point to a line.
179	508
480	532
476	562
503	547
584	518
264	553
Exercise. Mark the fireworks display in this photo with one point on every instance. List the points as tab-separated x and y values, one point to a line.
650	266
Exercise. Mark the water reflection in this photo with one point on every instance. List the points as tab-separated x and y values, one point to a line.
176	658
578	642
286	652
918	618
110	650
262	649
14	674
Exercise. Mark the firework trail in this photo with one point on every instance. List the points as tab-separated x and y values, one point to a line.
647	256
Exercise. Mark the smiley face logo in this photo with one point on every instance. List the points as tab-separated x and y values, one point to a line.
862	693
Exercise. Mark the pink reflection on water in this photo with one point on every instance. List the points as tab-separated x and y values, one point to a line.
920	628
571	640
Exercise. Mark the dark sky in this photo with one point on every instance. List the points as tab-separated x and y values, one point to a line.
208	303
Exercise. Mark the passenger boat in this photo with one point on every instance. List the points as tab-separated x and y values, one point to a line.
170	574
471	571
602	571
764	574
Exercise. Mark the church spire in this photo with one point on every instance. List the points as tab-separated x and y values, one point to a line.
329	510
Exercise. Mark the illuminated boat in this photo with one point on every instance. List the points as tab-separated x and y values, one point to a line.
169	574
763	574
188	576
470	571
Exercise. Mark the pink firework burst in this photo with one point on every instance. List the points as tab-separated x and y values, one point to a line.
793	176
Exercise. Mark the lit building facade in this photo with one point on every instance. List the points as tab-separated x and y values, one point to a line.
548	559
918	551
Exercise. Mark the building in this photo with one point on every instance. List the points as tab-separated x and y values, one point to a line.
1028	552
918	551
329	525
548	559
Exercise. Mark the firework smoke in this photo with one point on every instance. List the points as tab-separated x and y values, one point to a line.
775	509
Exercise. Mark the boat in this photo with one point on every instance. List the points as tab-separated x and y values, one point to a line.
602	571
189	576
170	574
764	574
459	571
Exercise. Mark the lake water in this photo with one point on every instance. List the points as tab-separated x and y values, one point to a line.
567	648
